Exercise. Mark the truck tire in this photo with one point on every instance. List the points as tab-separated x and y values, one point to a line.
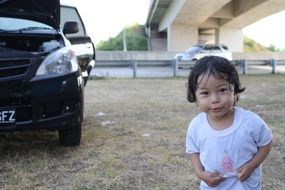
70	136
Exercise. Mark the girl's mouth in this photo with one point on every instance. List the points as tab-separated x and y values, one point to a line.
216	109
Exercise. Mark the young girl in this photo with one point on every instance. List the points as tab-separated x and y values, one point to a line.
227	144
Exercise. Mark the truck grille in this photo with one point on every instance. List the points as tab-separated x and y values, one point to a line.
13	67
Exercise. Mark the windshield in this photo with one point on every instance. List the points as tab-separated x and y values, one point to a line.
193	50
10	24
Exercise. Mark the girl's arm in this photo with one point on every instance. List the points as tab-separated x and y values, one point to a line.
245	171
212	179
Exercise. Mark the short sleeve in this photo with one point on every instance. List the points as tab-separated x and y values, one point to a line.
192	144
264	135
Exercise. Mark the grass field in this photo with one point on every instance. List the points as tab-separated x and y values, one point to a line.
133	138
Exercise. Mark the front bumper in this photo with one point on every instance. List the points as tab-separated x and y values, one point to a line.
53	103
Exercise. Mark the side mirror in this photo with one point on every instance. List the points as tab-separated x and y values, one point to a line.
70	27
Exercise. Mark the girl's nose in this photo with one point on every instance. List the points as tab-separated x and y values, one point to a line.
215	98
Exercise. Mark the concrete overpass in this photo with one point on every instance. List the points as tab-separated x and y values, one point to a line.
175	25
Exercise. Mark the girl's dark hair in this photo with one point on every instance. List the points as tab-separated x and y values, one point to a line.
218	67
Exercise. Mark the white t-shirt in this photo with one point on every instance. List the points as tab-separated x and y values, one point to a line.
227	150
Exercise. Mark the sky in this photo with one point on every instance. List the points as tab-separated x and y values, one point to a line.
268	31
106	18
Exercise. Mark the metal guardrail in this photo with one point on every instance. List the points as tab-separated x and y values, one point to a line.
177	64
134	64
271	62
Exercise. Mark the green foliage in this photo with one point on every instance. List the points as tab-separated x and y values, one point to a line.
273	48
136	40
249	45
110	45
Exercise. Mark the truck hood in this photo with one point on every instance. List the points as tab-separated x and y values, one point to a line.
44	11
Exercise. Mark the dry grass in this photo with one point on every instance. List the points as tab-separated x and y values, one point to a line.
133	138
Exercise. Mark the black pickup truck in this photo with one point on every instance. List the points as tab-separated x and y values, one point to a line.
45	60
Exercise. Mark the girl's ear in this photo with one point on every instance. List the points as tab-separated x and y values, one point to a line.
235	98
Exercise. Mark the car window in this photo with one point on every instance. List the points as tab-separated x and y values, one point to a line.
225	47
16	24
70	14
194	49
216	49
207	49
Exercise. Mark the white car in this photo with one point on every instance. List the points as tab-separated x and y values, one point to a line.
198	51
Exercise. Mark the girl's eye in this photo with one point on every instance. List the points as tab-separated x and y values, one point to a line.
223	89
204	93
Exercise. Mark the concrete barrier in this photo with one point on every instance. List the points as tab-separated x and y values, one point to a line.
164	55
134	60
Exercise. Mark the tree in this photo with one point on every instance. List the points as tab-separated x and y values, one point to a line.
136	40
273	48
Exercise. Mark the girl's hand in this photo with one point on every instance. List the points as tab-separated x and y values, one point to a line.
212	179
244	171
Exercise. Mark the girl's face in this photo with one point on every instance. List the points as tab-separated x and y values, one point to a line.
215	97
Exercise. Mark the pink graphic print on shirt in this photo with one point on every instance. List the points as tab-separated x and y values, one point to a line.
227	163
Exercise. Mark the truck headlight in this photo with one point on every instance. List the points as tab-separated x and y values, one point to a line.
60	62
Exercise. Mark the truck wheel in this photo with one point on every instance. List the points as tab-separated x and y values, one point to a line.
70	136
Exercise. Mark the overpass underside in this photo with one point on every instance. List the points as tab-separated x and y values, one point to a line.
175	25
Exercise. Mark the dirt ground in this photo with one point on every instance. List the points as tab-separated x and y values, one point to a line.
133	138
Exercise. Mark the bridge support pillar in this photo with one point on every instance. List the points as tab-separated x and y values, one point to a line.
233	38
181	37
